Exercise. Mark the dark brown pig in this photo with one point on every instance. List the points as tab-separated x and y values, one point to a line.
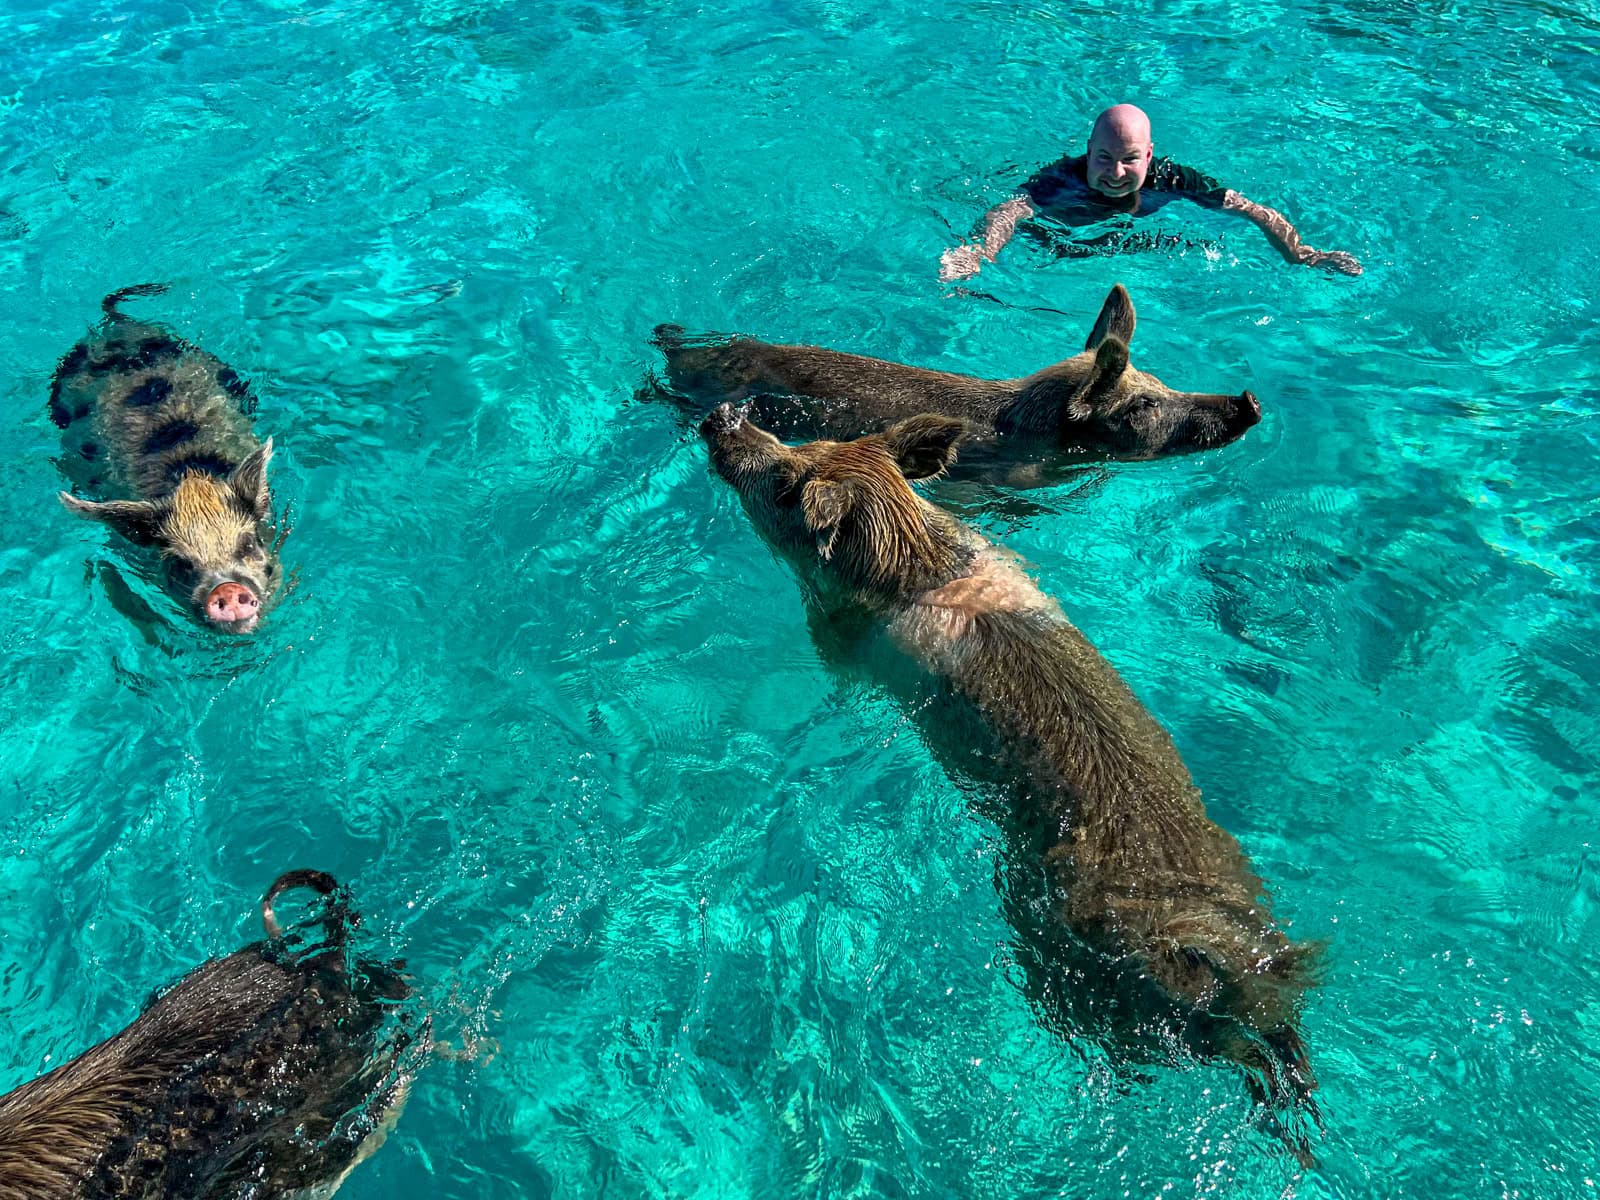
1091	406
1154	903
271	1072
160	426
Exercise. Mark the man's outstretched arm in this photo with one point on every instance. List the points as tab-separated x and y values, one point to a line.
1284	237
999	223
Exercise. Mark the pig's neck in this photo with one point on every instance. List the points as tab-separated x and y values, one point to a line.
947	554
897	550
1038	402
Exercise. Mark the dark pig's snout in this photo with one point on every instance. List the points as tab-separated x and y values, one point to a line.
1249	409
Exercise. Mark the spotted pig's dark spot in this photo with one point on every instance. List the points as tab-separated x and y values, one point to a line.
139	356
90	450
70	365
232	383
73	361
159	349
115	359
151	392
173	433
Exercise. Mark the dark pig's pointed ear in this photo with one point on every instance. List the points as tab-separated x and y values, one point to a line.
825	503
924	445
249	481
137	520
1110	361
1116	319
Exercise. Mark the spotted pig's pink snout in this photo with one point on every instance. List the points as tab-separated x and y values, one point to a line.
232	604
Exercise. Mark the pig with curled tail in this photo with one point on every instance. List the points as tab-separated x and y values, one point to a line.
160	429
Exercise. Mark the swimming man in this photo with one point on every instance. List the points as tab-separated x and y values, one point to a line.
1121	175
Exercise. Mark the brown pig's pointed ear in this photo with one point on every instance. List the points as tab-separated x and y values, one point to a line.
1116	319
249	481
824	503
925	445
1110	361
137	520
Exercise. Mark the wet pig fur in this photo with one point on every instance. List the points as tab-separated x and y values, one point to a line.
1119	881
160	427
271	1072
1094	405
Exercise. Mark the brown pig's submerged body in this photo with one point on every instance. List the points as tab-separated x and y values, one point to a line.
1094	405
158	426
270	1072
1104	811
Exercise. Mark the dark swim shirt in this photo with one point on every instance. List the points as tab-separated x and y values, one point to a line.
1062	194
1062	191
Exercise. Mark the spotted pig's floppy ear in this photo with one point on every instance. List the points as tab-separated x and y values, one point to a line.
249	481
137	520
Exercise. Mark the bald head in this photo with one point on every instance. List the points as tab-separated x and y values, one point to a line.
1122	121
1120	151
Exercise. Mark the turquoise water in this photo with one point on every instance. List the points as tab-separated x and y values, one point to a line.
714	919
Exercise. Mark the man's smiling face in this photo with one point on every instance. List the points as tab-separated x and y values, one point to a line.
1120	152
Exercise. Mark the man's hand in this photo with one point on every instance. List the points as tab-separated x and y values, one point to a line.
959	262
1331	260
1285	240
999	223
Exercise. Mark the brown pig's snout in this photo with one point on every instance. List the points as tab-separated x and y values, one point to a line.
232	604
1250	407
724	418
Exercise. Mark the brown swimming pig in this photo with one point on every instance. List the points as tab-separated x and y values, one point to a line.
271	1072
1094	405
1154	903
160	425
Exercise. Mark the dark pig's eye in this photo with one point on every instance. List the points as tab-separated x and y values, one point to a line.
250	547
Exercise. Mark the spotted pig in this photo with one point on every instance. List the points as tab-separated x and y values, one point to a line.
159	428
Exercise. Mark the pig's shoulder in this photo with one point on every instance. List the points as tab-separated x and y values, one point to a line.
937	621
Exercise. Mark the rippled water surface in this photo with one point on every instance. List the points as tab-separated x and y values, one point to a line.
546	703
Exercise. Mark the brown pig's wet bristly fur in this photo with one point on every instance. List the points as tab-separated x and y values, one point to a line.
1131	874
271	1072
160	429
1093	405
